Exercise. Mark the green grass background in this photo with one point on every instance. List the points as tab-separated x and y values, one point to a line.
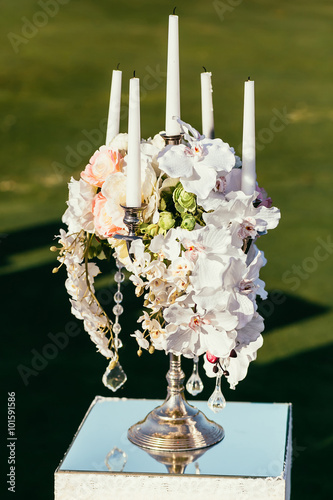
55	87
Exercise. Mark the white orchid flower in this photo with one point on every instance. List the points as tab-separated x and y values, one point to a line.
209	242
141	258
238	288
206	331
238	366
238	213
248	341
138	283
142	342
168	246
226	182
197	165
79	214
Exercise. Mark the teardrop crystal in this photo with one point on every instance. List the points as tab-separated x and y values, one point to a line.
217	401
194	384
115	378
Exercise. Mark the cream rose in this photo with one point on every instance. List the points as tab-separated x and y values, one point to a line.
103	219
105	161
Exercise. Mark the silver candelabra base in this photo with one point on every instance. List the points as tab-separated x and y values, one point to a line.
175	426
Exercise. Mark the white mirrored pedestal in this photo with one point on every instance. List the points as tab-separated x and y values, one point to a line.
252	462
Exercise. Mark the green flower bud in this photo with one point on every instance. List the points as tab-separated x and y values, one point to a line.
166	221
183	199
148	229
179	208
165	199
188	222
152	229
176	193
163	204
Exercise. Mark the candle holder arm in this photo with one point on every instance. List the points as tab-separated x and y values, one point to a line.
133	218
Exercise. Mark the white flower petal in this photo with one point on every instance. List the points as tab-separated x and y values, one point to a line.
218	342
173	161
201	182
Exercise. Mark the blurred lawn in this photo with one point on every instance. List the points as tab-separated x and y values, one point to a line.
54	91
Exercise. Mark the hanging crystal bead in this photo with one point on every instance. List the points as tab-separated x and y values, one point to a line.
118	310
194	384
118	343
118	297
114	378
116	328
119	276
217	401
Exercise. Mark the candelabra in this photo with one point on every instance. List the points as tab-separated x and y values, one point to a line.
175	426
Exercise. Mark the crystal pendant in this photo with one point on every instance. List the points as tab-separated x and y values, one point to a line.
119	277
118	297
115	378
116	328
217	401
116	460
194	384
117	343
118	310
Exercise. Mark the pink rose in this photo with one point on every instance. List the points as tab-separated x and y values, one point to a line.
105	161
102	218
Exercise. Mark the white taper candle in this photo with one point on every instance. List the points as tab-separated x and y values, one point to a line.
249	140
172	127
207	111
114	107
133	183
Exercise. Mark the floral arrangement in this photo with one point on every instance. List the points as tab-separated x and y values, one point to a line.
194	262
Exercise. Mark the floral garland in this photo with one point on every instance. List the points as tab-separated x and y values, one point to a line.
199	276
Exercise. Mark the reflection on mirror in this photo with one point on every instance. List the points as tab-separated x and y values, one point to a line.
116	460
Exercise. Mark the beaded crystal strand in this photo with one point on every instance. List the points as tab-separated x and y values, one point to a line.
118	308
115	377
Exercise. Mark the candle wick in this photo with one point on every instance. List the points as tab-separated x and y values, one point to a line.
118	65
134	74
174	10
248	78
204	69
